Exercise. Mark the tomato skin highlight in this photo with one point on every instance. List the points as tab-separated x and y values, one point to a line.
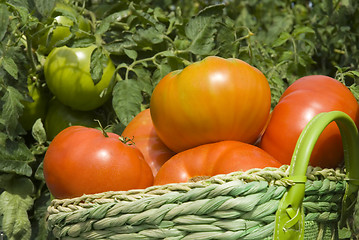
212	159
82	160
67	74
144	135
212	100
300	102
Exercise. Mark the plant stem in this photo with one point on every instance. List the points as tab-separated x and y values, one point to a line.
103	130
30	53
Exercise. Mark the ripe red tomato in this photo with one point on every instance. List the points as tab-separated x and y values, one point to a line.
301	101
212	159
83	160
210	101
144	135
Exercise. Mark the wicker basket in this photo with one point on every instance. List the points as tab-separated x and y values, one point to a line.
290	202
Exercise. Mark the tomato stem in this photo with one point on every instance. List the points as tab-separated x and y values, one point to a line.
30	53
127	140
103	130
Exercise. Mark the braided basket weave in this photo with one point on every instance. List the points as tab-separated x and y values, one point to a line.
240	205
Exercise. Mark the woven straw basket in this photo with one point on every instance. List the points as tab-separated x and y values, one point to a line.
290	202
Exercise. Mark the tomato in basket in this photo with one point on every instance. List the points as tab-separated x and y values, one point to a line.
300	102
212	159
83	160
144	135
212	100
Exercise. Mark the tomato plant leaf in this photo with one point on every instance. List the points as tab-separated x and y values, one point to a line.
10	66
98	63
226	40
11	110
201	30
15	201
15	156
4	20
144	17
160	15
203	43
20	185
15	220
304	59
131	53
44	6
22	9
168	53
283	38
117	48
126	101
23	3
144	79
356	73
147	37
287	56
39	174
105	24
38	222
62	11
212	10
302	29
355	90
38	132
83	42
161	71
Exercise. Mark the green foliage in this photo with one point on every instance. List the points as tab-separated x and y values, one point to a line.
146	40
14	209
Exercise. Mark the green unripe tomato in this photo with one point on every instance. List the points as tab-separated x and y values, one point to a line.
61	32
67	73
35	109
63	17
60	117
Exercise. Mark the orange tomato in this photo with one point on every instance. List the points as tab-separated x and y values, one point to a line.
144	135
212	159
210	101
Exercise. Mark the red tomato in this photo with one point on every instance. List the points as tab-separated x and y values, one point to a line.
301	101
83	160
213	159
210	101
144	135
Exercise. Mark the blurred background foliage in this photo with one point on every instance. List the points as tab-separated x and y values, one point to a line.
284	39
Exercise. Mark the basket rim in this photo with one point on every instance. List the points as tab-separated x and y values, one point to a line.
274	177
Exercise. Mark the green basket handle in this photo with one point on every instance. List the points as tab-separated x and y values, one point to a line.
289	223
